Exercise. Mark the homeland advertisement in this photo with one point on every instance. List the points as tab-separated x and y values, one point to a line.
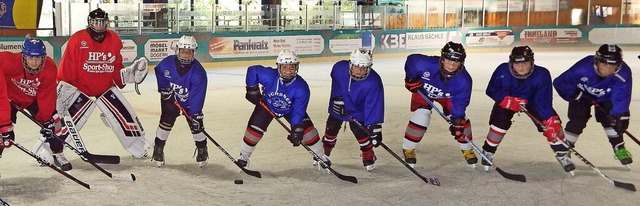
550	36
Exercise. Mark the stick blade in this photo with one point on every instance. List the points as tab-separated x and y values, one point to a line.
102	159
624	185
514	177
251	172
124	176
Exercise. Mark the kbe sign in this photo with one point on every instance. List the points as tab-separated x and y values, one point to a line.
393	41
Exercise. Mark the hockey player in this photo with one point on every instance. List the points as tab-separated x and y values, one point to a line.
287	95
605	79
356	91
31	86
521	82
181	78
445	80
91	66
6	125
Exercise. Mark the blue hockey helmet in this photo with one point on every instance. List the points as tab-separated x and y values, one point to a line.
33	55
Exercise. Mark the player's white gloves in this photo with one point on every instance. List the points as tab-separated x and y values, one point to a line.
136	73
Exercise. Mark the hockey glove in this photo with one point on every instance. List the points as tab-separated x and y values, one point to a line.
375	132
337	105
6	134
196	124
51	127
584	97
620	123
412	84
253	94
457	128
166	93
553	127
296	135
512	103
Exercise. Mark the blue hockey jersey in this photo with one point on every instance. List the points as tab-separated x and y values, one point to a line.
437	86
190	89
363	100
283	99
536	88
583	77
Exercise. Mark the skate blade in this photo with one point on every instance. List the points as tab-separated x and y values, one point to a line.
202	164
472	166
158	163
486	168
411	165
571	174
628	166
370	167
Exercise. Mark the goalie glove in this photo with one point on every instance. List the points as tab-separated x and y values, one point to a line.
136	73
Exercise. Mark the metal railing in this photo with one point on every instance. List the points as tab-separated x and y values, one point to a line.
137	19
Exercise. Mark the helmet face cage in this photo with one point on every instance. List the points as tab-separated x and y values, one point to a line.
287	57
186	42
97	23
454	52
608	54
521	54
33	48
361	57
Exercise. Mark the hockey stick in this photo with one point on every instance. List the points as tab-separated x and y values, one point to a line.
3	203
97	158
72	131
515	177
50	165
320	160
625	131
245	170
623	185
431	181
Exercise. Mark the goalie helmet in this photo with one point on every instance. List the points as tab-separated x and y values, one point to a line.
188	43
287	57
97	23
454	52
33	49
360	57
521	54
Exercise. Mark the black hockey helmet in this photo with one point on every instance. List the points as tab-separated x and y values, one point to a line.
610	54
521	54
454	52
99	18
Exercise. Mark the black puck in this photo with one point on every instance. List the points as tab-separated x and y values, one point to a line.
238	182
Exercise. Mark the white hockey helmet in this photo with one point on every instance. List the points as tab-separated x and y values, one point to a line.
360	57
287	57
186	42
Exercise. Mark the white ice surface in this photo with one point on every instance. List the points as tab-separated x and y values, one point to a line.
290	179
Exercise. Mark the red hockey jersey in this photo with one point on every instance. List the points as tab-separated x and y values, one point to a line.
5	108
91	66
24	88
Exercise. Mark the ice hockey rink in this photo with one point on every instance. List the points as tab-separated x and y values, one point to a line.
288	177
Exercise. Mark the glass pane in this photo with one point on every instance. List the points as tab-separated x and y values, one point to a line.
472	13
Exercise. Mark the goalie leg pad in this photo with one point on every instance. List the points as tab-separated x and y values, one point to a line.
73	102
124	122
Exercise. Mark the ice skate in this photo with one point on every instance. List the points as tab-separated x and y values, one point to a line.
202	156
158	155
410	157
243	161
324	164
61	161
471	158
485	163
565	160
624	156
369	160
